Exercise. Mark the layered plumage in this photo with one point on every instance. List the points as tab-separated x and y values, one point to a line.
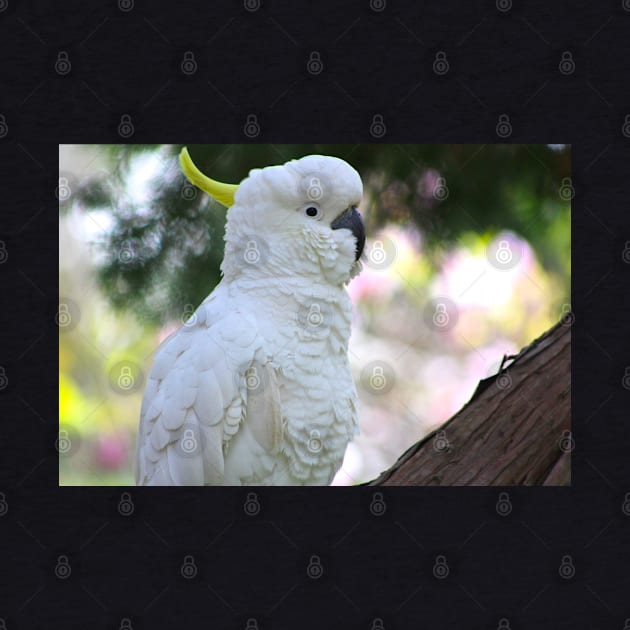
255	388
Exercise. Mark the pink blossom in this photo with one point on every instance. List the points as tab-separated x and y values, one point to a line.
111	451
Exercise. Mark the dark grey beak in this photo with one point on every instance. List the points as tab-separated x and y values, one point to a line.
351	220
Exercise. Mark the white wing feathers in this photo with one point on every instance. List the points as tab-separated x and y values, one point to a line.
205	379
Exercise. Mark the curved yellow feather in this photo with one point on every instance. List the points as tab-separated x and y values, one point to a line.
223	193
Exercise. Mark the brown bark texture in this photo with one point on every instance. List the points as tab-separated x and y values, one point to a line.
515	430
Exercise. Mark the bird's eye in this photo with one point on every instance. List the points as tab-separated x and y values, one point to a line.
313	211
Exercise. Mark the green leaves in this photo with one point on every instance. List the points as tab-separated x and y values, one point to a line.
165	252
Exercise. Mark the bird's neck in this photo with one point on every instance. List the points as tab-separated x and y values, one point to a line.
319	313
286	286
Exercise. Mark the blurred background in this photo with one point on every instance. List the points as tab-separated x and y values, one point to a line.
467	260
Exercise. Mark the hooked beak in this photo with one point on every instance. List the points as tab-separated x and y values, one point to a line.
350	219
223	193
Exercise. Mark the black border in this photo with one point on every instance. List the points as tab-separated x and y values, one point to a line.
374	62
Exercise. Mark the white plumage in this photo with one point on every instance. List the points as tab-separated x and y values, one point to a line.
255	388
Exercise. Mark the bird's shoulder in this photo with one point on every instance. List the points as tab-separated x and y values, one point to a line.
196	380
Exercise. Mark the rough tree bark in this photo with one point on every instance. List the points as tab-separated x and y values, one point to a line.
515	430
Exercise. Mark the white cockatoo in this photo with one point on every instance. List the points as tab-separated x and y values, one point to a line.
255	388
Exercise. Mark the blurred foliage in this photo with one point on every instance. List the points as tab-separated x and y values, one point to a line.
97	419
165	253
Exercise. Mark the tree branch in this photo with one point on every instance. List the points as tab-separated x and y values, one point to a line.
515	430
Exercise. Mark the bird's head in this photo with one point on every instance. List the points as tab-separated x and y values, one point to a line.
298	219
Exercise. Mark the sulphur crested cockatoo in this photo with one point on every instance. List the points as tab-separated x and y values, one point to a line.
255	388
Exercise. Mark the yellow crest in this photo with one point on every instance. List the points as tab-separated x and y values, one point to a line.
223	193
